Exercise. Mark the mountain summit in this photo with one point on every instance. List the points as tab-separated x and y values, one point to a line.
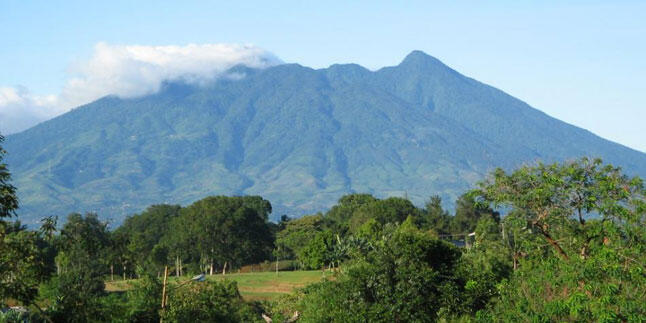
297	136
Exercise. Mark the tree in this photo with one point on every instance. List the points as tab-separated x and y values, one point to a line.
558	200
8	199
75	293
85	239
180	242
338	218
231	230
318	251
468	212
390	210
119	253
434	217
580	230
407	277
143	233
143	299
48	227
22	266
209	302
297	233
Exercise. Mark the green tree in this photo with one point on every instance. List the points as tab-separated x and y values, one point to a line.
85	239
467	214
119	254
143	300
338	218
558	200
231	230
8	199
580	228
407	277
144	232
434	217
318	251
390	210
297	233
371	230
22	265
75	294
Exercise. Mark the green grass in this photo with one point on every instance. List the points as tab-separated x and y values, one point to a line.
269	285
252	286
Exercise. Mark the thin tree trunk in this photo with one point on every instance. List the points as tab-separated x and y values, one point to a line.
176	266
111	272
163	301
124	272
224	268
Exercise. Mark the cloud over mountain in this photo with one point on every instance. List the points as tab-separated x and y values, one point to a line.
127	71
20	109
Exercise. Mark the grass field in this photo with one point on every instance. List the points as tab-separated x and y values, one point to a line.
252	286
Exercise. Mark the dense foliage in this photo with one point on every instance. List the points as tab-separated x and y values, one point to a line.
579	240
571	246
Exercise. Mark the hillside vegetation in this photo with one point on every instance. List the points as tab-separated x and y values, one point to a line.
572	247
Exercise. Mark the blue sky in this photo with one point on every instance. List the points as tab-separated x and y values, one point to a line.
581	62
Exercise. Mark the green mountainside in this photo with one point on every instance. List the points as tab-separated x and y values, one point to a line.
299	137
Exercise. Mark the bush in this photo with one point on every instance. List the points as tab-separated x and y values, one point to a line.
407	277
208	302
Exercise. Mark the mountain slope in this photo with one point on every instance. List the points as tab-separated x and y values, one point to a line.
297	136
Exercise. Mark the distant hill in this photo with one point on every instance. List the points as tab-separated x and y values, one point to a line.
297	136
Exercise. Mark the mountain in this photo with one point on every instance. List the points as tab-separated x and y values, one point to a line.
298	136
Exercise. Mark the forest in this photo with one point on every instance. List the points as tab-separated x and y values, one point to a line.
541	243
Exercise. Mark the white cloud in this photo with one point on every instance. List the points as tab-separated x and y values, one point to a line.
20	109
127	71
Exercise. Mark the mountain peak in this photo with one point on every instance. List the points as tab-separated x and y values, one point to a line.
418	57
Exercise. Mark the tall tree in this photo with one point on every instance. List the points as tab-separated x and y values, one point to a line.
435	217
558	200
8	199
144	233
297	233
390	210
468	213
579	229
338	218
228	230
407	276
84	246
22	267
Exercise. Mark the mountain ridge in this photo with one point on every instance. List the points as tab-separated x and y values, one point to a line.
300	137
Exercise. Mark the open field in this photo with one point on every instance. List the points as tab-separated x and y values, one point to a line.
252	286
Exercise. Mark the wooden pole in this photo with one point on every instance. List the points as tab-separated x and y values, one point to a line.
163	300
